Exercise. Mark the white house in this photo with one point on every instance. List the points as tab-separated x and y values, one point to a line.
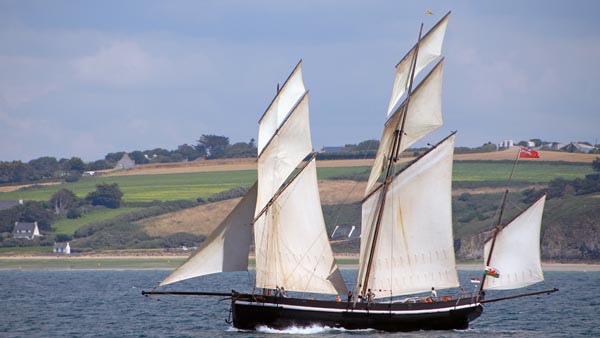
26	230
62	248
125	163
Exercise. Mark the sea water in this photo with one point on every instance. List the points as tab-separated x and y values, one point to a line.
109	303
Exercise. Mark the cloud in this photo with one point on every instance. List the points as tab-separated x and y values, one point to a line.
120	63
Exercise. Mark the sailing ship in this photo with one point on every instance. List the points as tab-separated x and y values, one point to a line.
406	244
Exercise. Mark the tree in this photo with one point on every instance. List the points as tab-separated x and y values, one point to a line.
100	165
368	145
596	164
114	157
63	200
240	149
138	157
214	146
44	166
189	152
74	164
32	211
108	195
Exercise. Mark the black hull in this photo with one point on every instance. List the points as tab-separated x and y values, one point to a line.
250	312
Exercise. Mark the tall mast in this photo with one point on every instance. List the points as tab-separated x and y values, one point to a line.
498	226
392	159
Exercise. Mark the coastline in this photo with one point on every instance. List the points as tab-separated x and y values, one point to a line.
170	262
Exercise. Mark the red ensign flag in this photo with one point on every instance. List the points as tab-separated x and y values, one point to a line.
528	153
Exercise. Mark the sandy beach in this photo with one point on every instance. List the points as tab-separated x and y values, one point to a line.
171	261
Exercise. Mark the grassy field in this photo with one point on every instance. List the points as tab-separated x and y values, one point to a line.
534	172
68	226
168	187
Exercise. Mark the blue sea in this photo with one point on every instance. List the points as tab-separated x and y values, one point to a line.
108	303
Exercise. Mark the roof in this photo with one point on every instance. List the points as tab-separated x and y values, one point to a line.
8	204
24	226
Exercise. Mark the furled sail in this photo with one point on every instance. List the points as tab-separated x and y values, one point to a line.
430	48
414	249
292	246
516	252
226	248
286	98
424	114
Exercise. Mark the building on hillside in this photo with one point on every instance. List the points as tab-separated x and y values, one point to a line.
553	146
26	230
125	163
62	248
578	147
9	204
344	232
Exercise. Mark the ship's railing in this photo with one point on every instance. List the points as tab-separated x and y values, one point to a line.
472	296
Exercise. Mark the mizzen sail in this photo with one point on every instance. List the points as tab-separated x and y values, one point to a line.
516	254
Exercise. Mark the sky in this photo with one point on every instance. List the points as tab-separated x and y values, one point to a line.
86	78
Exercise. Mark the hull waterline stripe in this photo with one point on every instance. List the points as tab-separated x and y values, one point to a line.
321	309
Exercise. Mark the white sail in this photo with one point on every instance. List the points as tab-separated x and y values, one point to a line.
226	248
285	151
516	252
424	115
430	48
292	246
286	98
414	249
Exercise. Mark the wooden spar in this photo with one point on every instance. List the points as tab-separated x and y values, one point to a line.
393	158
498	224
519	296
181	293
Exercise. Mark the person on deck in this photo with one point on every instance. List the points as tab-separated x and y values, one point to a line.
349	296
433	293
370	296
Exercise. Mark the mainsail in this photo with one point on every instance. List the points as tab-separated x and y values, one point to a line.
414	249
226	248
516	252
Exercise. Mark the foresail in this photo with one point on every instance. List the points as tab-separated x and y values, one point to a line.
414	250
226	248
286	98
516	252
424	115
292	247
430	48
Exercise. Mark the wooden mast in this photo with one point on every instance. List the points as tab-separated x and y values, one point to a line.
392	159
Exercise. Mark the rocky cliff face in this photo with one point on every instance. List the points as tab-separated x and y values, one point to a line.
570	232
